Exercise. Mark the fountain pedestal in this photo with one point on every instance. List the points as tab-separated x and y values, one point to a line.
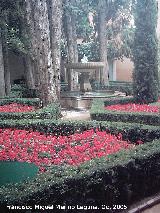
80	99
85	69
84	82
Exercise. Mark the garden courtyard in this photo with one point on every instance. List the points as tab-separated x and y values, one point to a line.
73	137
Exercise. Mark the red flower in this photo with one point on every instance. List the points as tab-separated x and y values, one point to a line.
43	150
132	107
14	107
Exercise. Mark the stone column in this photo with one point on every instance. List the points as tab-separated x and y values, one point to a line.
114	70
84	82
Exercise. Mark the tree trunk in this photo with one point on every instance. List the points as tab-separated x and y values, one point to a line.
30	30
29	74
40	40
6	58
72	47
2	81
103	41
47	85
6	69
55	17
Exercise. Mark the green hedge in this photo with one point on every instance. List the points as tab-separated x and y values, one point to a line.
51	111
121	86
21	91
99	113
30	102
118	100
130	131
119	179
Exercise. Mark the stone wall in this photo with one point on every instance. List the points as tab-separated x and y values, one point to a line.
124	70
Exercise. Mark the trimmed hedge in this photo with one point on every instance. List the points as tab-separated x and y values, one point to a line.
130	131
121	86
119	179
99	113
22	91
31	102
51	111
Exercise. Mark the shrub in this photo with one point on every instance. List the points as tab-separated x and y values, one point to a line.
125	87
25	101
48	112
21	91
145	52
117	179
129	131
99	113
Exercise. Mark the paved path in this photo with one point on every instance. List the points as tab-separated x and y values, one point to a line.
75	115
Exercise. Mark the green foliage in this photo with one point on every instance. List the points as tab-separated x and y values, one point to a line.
15	41
120	27
51	111
21	91
159	60
130	131
30	102
115	179
90	49
117	49
126	87
121	86
12	21
17	91
145	52
100	114
118	178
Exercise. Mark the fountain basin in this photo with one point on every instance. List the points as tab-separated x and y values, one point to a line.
83	66
79	100
85	69
76	102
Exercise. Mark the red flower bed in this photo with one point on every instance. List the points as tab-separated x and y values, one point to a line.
14	107
131	107
45	150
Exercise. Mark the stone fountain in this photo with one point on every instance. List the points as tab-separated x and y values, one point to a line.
82	99
85	70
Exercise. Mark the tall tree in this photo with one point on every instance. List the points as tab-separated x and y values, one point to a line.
145	55
102	8
30	58
2	81
5	11
71	35
55	18
109	19
29	71
40	37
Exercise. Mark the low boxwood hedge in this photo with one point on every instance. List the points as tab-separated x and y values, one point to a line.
99	113
52	111
129	131
22	91
117	179
121	86
121	179
31	102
